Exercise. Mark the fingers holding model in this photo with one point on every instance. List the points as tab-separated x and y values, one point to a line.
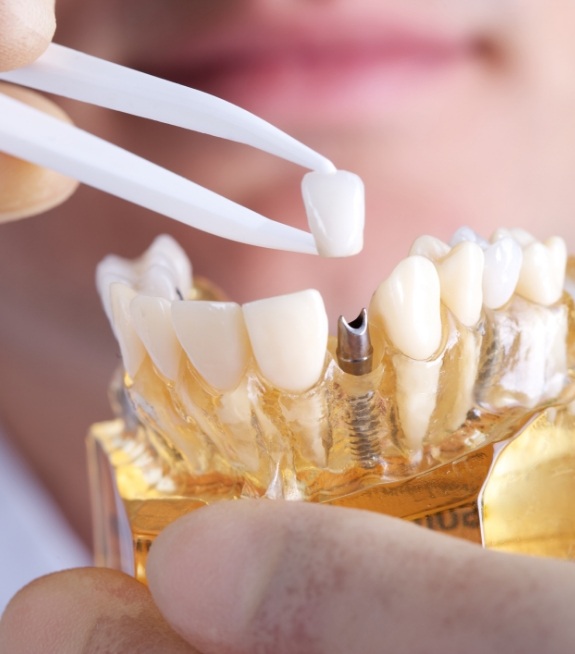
286	578
26	29
293	578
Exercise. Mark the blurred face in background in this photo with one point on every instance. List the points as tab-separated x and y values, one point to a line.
454	113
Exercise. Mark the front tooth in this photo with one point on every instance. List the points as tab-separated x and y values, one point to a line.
430	247
110	270
214	336
542	274
335	207
131	347
152	319
289	336
501	273
461	276
408	305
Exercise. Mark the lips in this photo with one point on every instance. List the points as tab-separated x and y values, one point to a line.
292	70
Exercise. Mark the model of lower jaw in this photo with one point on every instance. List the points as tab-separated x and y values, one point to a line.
470	340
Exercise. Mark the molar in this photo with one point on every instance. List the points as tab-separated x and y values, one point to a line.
502	262
289	336
214	336
542	274
522	236
335	207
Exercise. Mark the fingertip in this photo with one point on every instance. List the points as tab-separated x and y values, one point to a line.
259	575
27	27
45	615
209	571
280	577
85	610
28	189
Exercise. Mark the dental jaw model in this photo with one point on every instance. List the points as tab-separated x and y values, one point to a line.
447	403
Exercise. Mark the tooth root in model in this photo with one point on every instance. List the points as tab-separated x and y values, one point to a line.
407	306
417	383
465	372
235	413
214	338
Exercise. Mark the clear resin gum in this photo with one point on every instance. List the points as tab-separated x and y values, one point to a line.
495	462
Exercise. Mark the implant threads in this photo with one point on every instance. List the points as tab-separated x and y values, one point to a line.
363	423
362	418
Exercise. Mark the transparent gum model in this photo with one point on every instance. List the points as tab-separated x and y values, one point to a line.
477	441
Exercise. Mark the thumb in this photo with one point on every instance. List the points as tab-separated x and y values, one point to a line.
27	189
26	29
258	576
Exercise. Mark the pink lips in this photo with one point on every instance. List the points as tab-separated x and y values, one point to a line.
291	73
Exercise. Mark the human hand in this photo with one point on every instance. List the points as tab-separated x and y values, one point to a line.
258	576
26	29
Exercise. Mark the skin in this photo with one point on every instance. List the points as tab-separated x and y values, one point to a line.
494	148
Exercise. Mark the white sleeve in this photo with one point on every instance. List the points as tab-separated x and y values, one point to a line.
35	538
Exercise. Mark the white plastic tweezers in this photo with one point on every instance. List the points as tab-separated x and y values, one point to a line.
34	136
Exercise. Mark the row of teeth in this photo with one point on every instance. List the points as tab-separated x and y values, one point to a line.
466	276
287	336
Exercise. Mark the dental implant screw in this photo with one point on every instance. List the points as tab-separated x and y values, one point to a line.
355	357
